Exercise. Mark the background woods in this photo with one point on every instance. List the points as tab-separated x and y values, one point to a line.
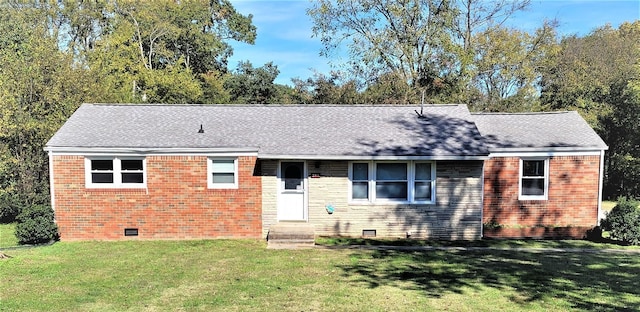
55	55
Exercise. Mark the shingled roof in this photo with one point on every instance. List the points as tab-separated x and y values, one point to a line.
320	131
551	131
301	131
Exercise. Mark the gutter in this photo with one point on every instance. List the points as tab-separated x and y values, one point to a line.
115	151
239	151
600	186
51	188
370	157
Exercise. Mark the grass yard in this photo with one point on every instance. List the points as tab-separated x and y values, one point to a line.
241	275
7	235
607	205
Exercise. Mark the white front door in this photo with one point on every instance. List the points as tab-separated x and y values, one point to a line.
292	190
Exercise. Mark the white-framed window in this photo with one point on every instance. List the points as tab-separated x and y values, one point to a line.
534	179
222	173
392	181
360	181
115	172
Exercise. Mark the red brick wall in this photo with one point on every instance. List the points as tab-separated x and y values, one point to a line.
175	205
572	200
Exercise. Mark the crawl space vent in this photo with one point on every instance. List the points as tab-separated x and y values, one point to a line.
130	232
368	233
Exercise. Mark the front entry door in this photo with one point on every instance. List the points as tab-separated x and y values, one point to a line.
292	188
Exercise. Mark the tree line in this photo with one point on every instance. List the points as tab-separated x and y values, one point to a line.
55	55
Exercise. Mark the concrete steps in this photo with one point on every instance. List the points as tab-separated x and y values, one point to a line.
291	235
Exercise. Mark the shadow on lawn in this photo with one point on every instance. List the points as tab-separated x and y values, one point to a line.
586	281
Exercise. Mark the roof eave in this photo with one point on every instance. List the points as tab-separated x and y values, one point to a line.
374	157
150	150
550	151
254	151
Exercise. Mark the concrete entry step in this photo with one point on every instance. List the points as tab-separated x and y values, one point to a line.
291	235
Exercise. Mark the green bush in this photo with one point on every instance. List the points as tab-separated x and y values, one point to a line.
36	226
10	207
623	221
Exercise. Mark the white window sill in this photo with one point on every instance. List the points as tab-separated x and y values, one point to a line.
389	202
521	197
116	186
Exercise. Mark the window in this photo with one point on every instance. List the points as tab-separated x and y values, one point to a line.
534	177
115	172
223	173
422	182
392	182
360	181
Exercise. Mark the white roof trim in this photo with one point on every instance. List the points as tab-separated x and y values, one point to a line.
237	151
545	153
233	151
360	157
545	149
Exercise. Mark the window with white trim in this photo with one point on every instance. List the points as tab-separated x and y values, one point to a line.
115	172
222	173
392	181
534	178
360	181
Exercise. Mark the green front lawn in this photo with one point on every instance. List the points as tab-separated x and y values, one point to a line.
241	275
7	235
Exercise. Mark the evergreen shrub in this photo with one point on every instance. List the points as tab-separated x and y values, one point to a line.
623	221
36	225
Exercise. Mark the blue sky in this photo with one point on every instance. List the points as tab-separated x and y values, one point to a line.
285	37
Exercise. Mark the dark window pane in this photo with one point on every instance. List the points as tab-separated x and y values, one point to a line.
360	190
223	178
293	184
391	190
102	164
533	168
391	171
131	164
293	171
532	186
423	171
102	177
423	191
360	171
132	178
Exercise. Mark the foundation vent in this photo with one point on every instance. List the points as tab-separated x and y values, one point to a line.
130	232
368	233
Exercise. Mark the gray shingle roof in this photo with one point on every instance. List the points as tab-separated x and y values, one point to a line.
537	131
300	130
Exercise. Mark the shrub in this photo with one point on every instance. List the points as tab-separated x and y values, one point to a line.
10	206
623	221
35	225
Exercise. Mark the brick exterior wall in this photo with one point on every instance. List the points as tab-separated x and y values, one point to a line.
571	208
178	205
175	205
456	214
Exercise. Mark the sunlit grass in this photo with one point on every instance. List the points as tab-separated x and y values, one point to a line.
241	275
607	205
7	235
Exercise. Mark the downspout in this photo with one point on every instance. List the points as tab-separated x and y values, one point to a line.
484	162
600	186
51	188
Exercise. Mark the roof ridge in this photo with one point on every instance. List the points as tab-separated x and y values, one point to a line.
270	105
